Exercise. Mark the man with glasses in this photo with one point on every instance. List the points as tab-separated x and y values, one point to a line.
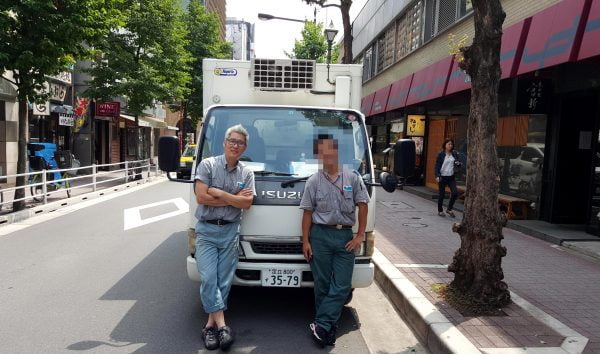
223	187
329	201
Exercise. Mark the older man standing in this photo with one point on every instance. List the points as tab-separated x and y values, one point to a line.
223	188
329	202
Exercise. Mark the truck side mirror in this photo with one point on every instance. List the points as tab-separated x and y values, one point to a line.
168	153
388	182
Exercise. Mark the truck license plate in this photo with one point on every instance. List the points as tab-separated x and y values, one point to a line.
281	277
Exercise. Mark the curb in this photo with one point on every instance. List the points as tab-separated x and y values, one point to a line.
576	246
23	215
433	329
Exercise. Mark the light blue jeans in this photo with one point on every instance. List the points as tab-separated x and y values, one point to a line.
216	259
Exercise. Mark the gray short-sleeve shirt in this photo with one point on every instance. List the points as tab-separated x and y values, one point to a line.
214	173
334	202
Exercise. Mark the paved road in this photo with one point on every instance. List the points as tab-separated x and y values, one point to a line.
79	282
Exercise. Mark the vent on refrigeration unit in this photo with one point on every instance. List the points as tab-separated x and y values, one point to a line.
282	74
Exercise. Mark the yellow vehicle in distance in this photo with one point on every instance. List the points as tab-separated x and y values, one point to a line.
186	161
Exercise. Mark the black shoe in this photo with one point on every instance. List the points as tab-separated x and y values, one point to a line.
209	336
225	337
332	335
319	335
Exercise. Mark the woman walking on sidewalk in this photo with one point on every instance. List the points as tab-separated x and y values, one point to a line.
446	163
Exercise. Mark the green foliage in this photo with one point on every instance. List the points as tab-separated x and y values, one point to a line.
41	37
145	59
203	41
313	44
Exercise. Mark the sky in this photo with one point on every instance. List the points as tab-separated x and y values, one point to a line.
274	36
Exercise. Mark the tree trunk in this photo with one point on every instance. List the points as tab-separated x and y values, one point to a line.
22	153
345	9
477	265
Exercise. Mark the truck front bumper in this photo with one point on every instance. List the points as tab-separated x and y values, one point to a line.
249	274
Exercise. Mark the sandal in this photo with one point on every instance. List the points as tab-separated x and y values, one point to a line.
451	213
441	213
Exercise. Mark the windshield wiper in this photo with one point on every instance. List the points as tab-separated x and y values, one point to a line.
276	173
291	182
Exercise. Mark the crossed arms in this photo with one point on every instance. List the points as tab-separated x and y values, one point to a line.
218	198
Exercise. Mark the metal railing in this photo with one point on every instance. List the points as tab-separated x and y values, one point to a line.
125	171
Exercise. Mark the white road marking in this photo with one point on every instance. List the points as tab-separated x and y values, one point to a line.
132	217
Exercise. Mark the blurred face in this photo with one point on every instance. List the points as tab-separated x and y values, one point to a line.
327	151
234	145
449	146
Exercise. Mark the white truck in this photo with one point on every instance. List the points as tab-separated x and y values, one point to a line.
283	104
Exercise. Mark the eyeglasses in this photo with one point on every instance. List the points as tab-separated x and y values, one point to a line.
233	142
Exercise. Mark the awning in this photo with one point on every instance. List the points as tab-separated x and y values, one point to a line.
513	43
151	122
591	36
399	93
380	100
459	80
125	116
551	38
366	104
430	82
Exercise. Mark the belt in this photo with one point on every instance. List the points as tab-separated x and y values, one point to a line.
219	222
337	226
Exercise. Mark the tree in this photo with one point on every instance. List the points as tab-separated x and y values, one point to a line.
313	44
39	38
477	264
145	60
344	6
203	41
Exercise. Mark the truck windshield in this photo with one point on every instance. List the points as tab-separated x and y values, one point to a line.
281	139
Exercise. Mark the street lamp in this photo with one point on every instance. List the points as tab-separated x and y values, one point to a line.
330	34
267	17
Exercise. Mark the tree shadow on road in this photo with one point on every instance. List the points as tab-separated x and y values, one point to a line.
167	315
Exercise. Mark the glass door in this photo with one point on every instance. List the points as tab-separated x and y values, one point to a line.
594	222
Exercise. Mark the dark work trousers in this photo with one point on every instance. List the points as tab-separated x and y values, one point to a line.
332	267
449	181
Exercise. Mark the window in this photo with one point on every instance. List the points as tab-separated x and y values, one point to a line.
408	30
447	12
2	111
367	64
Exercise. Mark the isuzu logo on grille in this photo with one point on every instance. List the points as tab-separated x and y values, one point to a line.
281	195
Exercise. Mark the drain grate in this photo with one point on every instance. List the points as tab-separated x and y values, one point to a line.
397	205
414	224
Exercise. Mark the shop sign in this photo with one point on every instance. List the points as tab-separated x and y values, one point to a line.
533	96
108	109
64	77
57	92
67	120
41	109
416	125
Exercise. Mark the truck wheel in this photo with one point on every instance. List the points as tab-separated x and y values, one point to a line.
349	298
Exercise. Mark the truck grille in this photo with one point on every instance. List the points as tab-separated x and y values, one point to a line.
283	74
276	248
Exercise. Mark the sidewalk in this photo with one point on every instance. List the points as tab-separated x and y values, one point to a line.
556	291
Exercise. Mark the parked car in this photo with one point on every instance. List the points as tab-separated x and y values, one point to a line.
186	161
524	166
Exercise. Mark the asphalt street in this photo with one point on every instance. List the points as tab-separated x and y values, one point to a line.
81	282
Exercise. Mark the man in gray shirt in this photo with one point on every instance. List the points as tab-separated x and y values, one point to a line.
223	188
329	202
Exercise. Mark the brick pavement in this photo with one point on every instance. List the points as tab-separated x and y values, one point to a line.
564	285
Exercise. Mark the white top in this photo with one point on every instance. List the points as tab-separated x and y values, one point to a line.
448	166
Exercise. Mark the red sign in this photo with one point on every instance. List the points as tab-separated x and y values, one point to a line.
380	101
552	36
366	104
108	109
399	93
591	35
430	82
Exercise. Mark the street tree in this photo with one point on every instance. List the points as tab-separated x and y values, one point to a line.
313	44
145	60
477	264
203	41
40	38
344	6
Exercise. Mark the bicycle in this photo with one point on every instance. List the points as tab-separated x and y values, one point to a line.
37	164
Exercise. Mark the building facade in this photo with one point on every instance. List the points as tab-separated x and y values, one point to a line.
241	36
548	135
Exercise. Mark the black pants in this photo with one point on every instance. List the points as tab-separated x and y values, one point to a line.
449	181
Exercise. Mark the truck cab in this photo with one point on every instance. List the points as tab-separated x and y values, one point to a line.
284	105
